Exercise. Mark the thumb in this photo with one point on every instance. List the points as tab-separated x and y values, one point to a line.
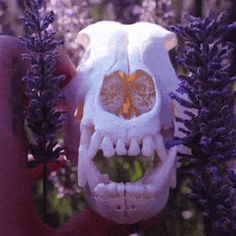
16	200
87	223
71	128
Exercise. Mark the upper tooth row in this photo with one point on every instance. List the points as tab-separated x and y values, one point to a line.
109	148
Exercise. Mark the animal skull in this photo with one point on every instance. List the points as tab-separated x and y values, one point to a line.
124	80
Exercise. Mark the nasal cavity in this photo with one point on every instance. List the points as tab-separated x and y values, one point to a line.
129	95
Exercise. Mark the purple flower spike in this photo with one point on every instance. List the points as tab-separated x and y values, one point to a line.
209	131
42	86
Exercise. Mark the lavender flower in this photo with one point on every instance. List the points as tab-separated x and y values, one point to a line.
209	132
9	22
126	11
157	11
214	195
42	87
72	16
216	5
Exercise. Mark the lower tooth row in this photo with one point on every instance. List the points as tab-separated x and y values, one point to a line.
140	191
128	190
112	190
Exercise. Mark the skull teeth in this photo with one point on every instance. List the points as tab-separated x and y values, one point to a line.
107	146
120	160
99	190
148	146
135	190
95	143
134	148
120	147
111	190
160	148
111	146
122	190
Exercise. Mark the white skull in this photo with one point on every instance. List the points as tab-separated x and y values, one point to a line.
123	81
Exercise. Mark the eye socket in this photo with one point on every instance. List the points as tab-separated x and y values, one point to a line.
142	92
113	93
128	95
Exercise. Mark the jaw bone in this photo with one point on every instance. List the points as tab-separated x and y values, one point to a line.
123	202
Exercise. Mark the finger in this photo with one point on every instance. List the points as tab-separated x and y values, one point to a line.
71	127
16	206
12	70
81	225
72	124
64	66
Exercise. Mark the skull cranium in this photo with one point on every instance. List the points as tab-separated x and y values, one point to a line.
123	81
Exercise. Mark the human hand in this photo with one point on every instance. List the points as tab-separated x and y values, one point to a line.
17	210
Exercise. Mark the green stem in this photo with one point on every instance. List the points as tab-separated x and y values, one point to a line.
45	191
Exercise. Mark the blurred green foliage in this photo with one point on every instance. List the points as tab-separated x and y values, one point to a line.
125	168
60	208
